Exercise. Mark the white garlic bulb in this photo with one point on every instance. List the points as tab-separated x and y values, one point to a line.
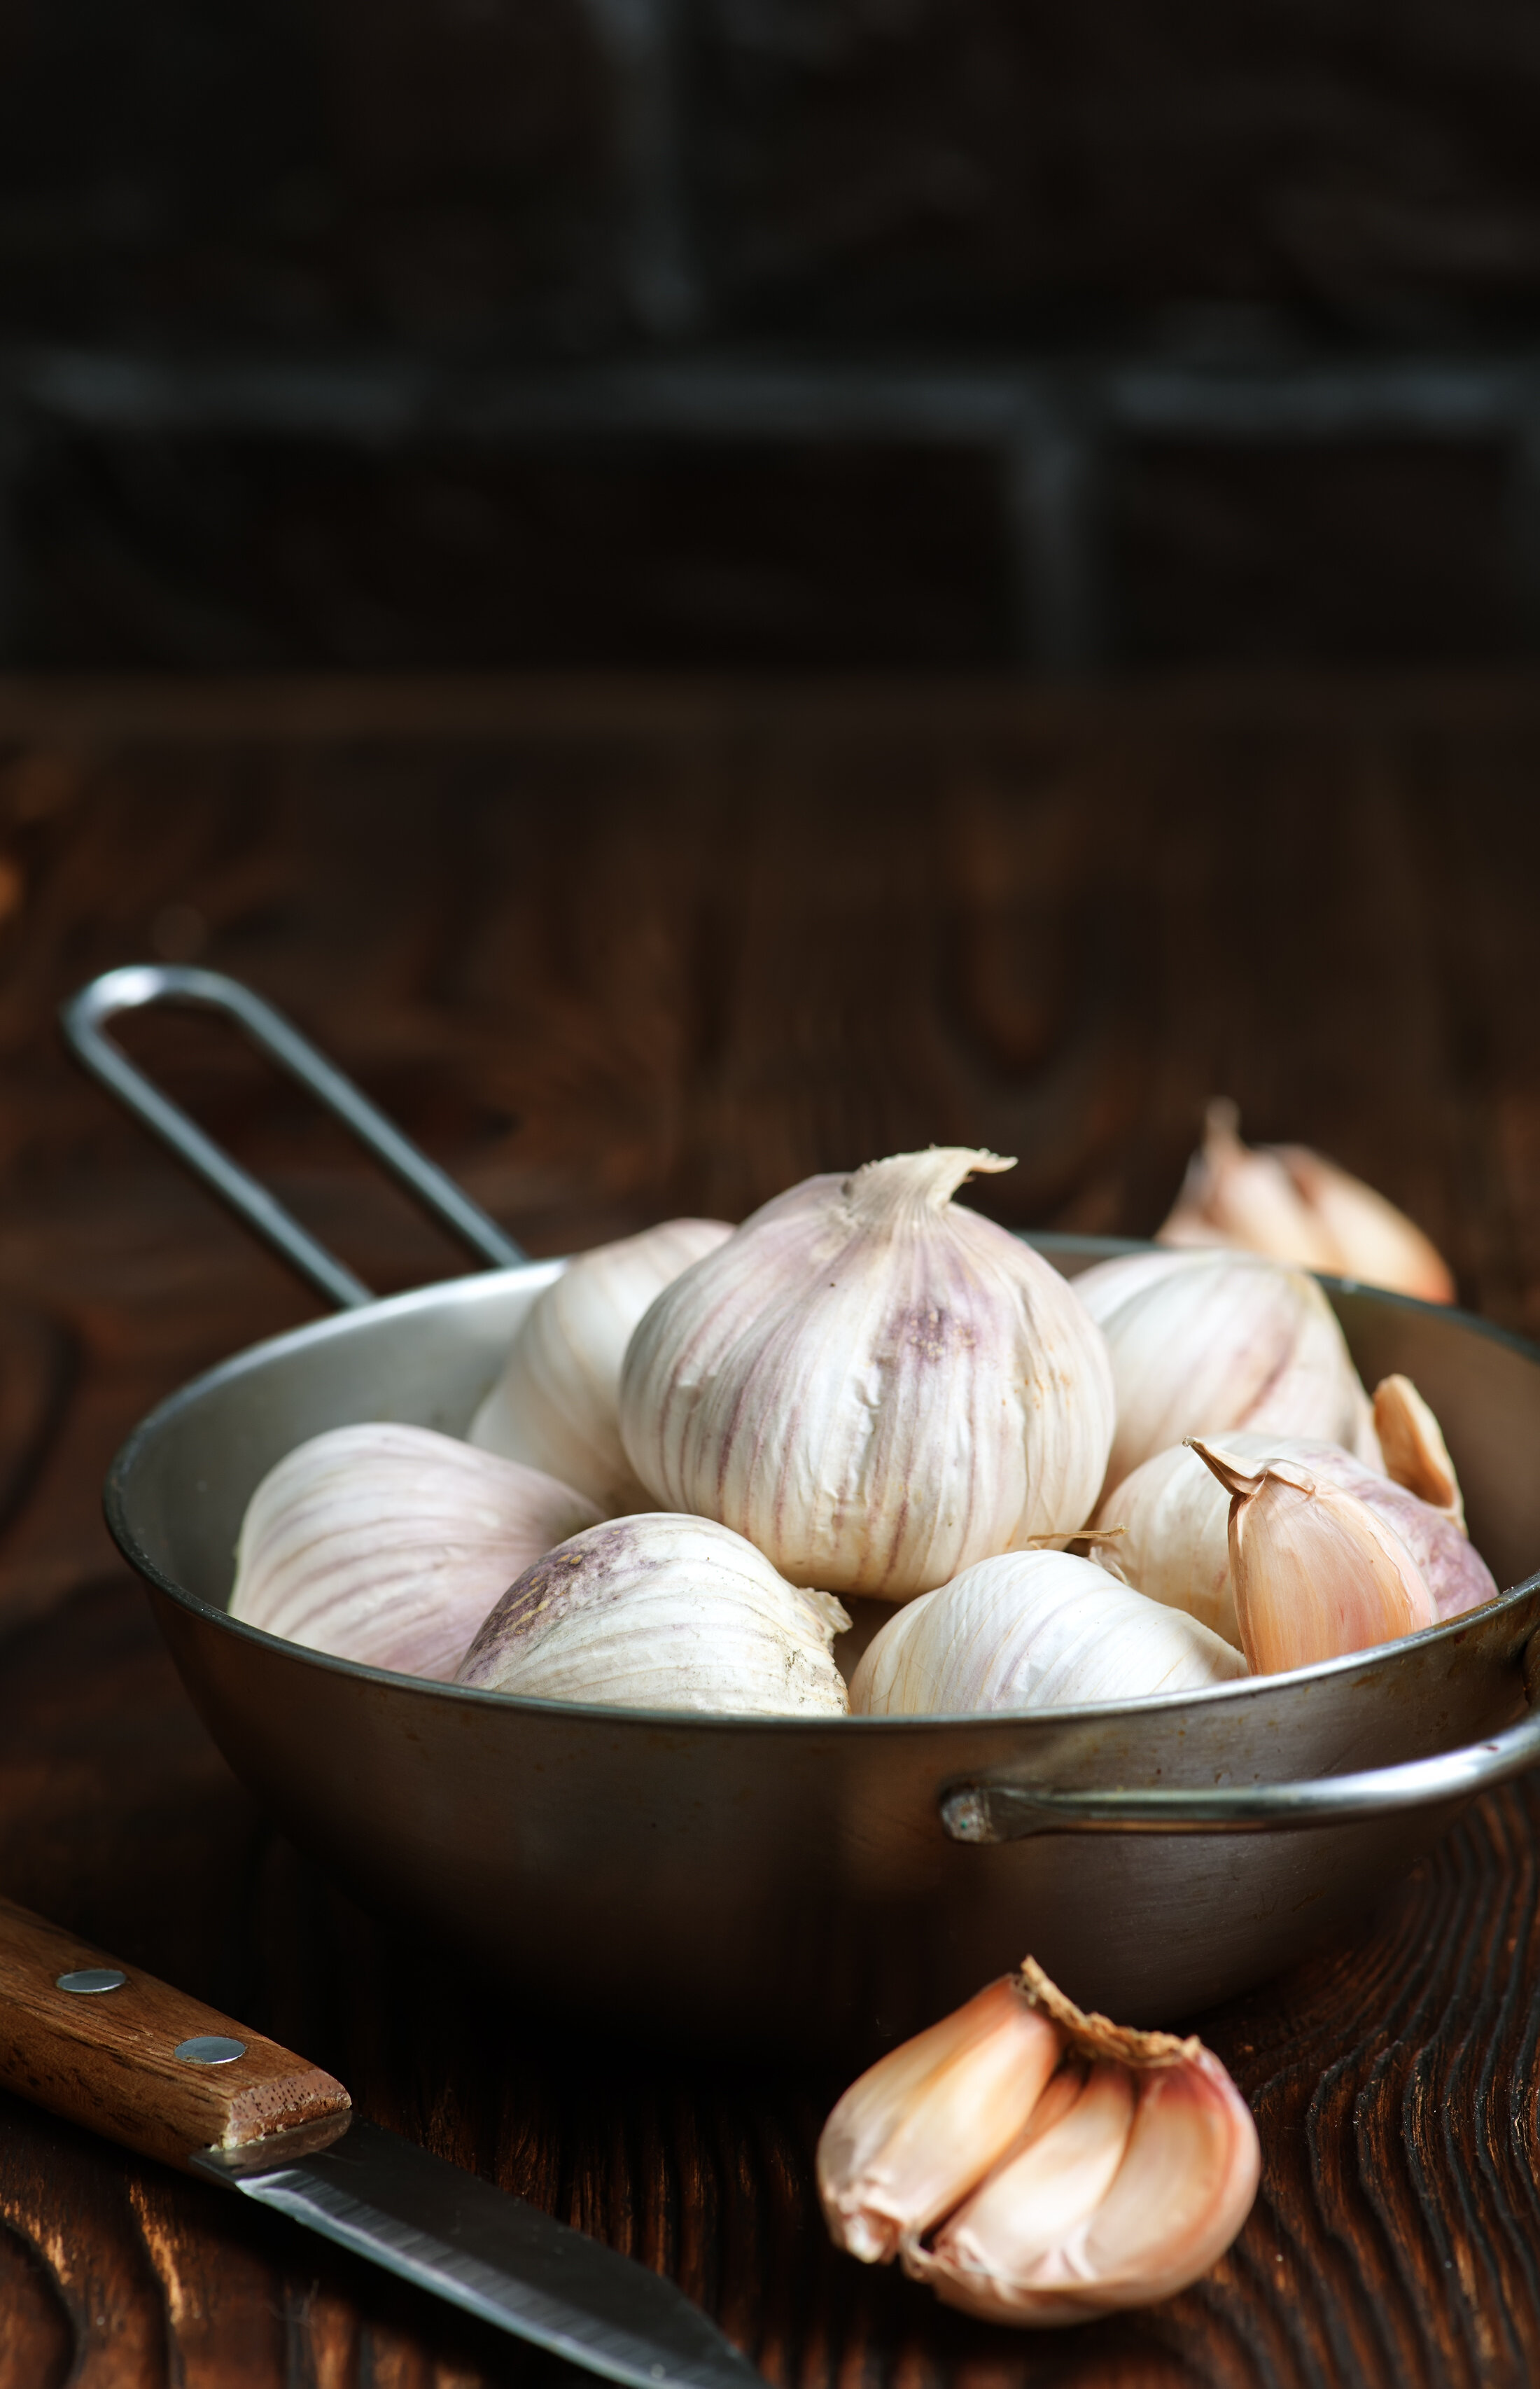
1130	2173
1316	1572
389	1544
1287	1201
662	1612
1203	1343
1168	1526
555	1406
872	1384
1031	1630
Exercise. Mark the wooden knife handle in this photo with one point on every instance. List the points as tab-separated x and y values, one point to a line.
139	2062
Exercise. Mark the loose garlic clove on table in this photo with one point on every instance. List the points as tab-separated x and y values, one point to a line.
873	1383
1130	2171
1316	1572
1203	1343
662	1612
387	1544
555	1405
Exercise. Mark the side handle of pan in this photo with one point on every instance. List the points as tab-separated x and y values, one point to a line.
85	1022
999	1810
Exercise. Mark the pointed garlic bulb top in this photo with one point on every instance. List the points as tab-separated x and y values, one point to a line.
1316	1572
555	1405
1032	1631
1205	1342
389	1544
1107	2168
1416	1453
667	1613
873	1383
1289	1202
1168	1526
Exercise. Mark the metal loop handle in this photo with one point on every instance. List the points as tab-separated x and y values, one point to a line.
83	1019
1010	1812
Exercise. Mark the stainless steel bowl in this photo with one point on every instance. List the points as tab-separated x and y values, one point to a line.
829	1884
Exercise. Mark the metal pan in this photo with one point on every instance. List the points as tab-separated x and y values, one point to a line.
828	1883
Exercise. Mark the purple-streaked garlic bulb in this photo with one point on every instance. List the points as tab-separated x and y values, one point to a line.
389	1544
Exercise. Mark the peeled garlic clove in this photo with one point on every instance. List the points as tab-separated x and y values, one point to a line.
555	1405
1205	1342
1132	2171
389	1544
872	1384
1416	1453
1374	1241
913	2134
1173	1517
1316	1572
1032	1631
1237	1197
667	1613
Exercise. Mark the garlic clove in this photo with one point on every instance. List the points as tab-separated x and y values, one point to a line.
662	1612
1317	1571
387	1544
873	1383
1293	1205
555	1405
1416	1453
1132	2171
909	2139
1203	1343
1172	1519
1234	1195
1029	1630
1375	1242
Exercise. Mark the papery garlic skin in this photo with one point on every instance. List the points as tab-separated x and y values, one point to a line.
1416	1453
662	1612
1173	1520
1132	2170
912	2135
1316	1572
387	1544
1030	1630
1290	1202
555	1405
875	1385
1204	1343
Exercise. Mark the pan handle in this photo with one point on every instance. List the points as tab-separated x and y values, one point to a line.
994	1811
83	1019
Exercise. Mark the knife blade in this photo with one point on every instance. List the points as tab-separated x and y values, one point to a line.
111	2047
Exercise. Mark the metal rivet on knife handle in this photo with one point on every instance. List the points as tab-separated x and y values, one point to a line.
85	1979
210	2049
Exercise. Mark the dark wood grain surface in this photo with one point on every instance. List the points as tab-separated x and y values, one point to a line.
613	951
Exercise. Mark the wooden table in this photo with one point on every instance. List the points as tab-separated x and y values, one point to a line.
612	952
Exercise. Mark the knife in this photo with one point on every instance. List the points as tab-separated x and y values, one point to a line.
110	2048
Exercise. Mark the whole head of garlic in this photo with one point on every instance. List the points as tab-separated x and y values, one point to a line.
1168	1526
1204	1343
1316	1572
555	1405
662	1612
1031	1630
389	1544
872	1384
1036	2165
1289	1202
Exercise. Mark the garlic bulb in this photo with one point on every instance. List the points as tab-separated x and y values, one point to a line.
1287	1201
1316	1572
1131	2170
389	1544
667	1613
1204	1343
1031	1630
555	1406
1173	1517
872	1384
